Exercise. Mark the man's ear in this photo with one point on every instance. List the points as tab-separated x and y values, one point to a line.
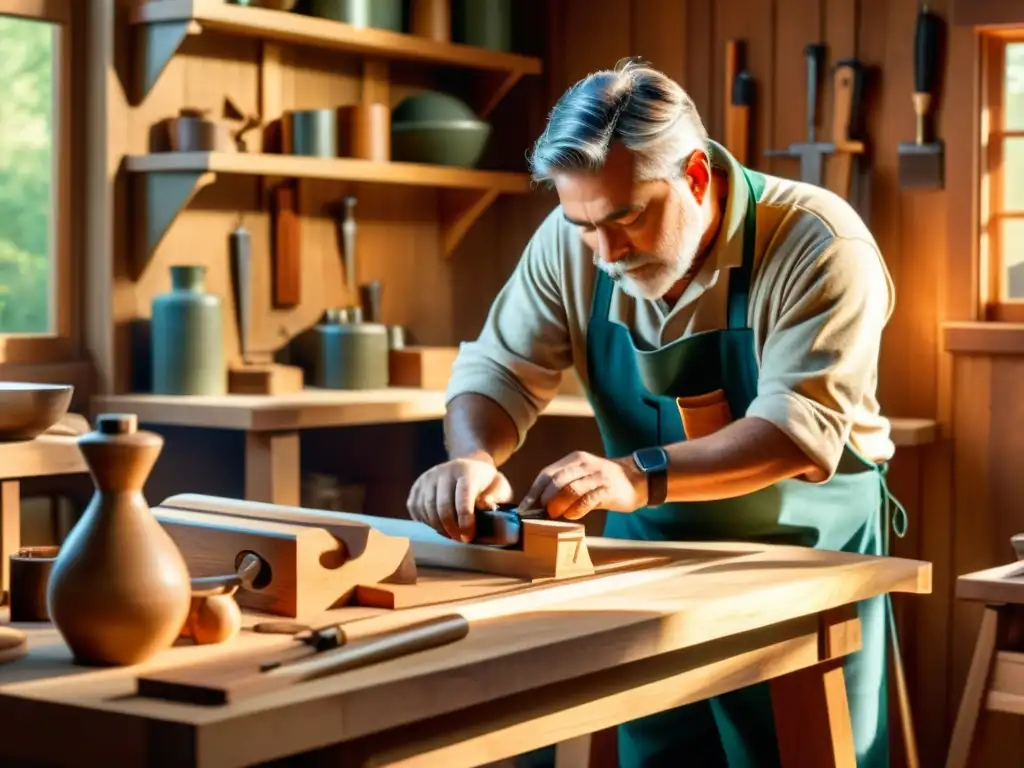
698	175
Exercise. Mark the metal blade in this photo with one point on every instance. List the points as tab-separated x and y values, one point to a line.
810	166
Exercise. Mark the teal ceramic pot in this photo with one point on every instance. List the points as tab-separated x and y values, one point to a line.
350	355
314	132
188	348
380	14
483	23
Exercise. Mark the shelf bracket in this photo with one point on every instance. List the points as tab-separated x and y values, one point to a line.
160	41
166	195
459	210
492	88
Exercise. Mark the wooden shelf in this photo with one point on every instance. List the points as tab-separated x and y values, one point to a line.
167	23
334	408
983	338
310	409
991	15
173	178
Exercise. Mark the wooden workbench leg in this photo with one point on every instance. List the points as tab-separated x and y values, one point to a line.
812	717
973	698
272	467
10	531
574	753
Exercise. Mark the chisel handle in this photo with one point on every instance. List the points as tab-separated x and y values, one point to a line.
926	65
847	105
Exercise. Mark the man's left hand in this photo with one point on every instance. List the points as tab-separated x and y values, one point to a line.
582	482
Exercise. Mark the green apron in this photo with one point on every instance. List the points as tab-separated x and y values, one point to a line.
633	395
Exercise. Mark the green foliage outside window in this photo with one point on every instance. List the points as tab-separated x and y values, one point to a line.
27	156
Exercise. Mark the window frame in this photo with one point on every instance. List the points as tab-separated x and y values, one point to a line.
63	344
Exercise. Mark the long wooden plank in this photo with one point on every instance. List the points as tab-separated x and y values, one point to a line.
429	547
338	168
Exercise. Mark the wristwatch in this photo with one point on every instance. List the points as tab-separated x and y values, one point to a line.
653	462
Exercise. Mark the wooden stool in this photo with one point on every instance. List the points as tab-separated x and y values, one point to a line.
995	681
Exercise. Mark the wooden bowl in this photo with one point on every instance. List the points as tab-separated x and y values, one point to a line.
27	410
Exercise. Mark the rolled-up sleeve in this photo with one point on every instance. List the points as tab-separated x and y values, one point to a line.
524	346
820	356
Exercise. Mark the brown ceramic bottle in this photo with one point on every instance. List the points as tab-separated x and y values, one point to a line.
120	590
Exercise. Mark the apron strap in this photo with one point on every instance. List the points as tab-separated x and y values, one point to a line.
894	514
740	278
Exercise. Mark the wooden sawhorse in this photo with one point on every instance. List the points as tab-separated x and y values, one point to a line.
995	681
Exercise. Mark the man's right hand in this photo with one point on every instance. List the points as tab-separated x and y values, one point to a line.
446	497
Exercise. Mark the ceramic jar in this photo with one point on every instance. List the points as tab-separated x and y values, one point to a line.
119	591
187	337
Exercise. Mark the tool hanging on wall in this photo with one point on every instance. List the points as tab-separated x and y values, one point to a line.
240	244
812	151
739	101
348	231
849	170
921	162
287	246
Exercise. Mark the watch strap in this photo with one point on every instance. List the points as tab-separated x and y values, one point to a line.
657	487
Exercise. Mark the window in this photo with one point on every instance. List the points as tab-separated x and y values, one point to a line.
37	319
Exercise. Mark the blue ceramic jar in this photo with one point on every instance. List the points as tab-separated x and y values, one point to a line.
187	337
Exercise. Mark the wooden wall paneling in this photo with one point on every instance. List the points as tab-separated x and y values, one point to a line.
658	29
599	35
799	23
750	22
699	51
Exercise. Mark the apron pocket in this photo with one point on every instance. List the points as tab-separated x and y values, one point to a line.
703	415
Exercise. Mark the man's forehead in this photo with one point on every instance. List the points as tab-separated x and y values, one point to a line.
607	194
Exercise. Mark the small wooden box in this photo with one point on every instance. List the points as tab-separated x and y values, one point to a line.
265	379
421	367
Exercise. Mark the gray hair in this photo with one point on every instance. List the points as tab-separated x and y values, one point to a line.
635	104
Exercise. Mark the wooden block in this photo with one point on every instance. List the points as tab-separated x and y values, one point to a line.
269	379
422	367
312	568
550	549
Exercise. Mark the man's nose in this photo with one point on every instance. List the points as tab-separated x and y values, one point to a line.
611	248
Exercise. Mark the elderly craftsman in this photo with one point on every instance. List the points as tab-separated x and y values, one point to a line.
726	327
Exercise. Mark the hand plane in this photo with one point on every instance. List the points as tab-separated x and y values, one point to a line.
503	526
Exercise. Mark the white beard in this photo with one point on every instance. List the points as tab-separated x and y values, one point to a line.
660	273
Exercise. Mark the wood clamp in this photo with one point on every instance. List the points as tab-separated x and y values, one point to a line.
309	565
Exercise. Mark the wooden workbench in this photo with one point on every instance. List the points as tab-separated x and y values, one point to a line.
272	423
717	618
53	453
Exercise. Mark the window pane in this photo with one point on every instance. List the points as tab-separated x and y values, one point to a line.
1013	174
27	174
1013	96
1012	247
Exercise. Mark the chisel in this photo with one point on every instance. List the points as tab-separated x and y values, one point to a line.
921	162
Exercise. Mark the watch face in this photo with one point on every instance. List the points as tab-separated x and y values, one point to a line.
651	459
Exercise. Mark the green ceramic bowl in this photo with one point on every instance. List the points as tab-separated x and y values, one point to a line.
440	142
431	106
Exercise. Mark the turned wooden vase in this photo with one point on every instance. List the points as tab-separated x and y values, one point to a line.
119	591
